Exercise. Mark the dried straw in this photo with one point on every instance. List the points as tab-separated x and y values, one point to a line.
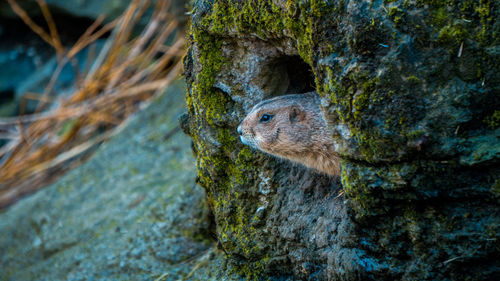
65	130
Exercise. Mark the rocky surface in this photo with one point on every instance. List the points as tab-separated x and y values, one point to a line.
411	91
133	212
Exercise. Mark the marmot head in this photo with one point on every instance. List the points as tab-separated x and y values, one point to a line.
292	127
284	126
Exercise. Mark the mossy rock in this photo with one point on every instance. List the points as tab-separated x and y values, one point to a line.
410	89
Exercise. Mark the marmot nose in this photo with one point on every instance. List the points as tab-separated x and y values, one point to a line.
239	130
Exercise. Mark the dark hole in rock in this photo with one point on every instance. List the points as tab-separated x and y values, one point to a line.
287	75
300	75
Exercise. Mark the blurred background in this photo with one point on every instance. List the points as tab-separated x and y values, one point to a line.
70	73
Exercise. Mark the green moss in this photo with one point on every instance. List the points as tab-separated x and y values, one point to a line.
493	121
365	97
353	95
209	102
415	134
396	15
353	98
452	35
364	193
440	17
487	19
264	16
217	164
414	80
477	15
242	166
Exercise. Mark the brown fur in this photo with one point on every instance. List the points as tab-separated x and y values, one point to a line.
297	131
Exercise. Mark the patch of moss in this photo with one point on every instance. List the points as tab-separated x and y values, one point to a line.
352	98
353	95
357	191
364	185
493	121
483	8
396	14
264	16
478	17
413	80
415	134
440	17
452	35
362	100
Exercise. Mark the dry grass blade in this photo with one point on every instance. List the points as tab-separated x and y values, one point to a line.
127	72
56	41
35	27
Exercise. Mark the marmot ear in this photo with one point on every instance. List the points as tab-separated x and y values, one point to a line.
296	114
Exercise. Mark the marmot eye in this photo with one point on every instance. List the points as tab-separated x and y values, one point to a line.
266	118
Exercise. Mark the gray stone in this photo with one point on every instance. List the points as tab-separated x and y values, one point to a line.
132	212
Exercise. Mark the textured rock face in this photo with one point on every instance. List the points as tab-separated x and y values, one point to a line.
410	89
132	212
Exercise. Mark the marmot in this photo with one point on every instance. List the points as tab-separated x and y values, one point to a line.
292	127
